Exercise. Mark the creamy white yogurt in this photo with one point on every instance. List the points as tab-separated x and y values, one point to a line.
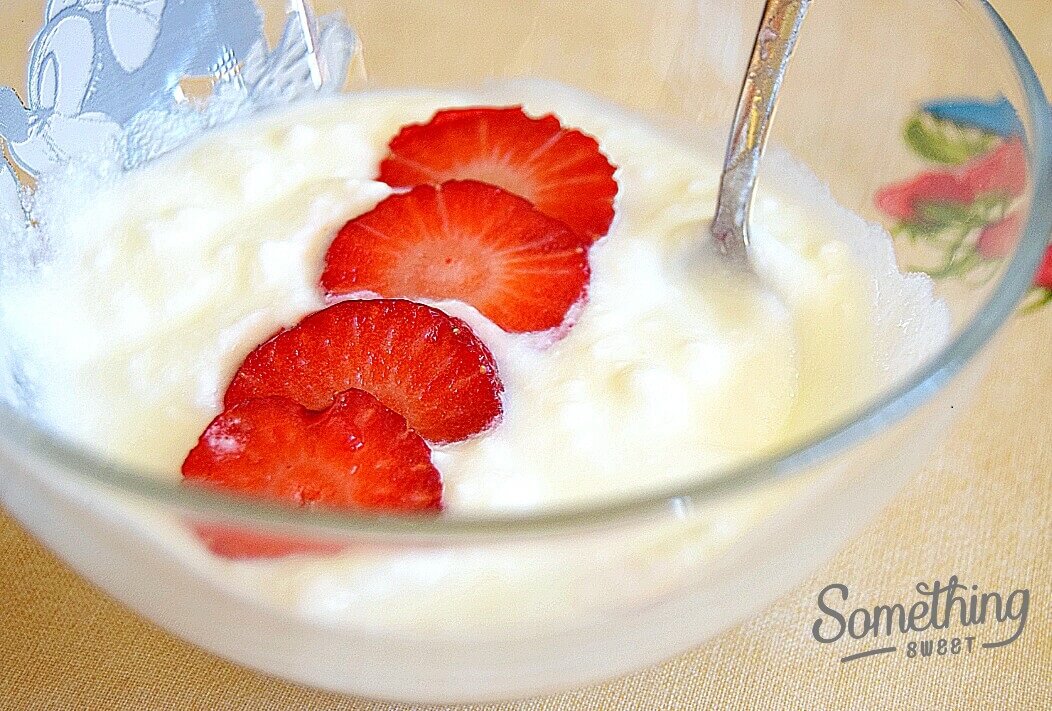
156	285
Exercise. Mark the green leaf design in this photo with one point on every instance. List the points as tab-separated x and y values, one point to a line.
941	215
950	229
945	142
1040	298
937	217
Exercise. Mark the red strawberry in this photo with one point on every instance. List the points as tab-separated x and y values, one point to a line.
997	240
1001	171
354	454
239	543
421	363
464	240
559	170
903	201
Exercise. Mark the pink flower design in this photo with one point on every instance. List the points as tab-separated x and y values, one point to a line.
1002	172
904	201
1043	278
964	211
997	239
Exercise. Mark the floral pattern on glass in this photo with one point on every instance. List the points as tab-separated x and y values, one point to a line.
966	208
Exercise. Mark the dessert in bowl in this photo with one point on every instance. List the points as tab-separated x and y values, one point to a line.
490	307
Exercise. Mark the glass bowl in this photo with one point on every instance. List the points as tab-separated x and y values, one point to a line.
461	608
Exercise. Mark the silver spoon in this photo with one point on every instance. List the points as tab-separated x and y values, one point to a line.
775	41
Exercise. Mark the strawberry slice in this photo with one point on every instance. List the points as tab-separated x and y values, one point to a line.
561	171
354	454
416	360
464	240
240	543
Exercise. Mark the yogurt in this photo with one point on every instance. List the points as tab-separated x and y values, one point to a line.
154	285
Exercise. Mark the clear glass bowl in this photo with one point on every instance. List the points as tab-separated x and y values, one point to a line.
468	609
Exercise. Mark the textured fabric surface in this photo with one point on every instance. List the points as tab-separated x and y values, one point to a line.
981	509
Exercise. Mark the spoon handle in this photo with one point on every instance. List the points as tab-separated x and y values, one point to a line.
775	41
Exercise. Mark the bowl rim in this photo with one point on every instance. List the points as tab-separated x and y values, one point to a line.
20	434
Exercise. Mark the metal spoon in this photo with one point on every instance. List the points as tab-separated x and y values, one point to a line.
775	41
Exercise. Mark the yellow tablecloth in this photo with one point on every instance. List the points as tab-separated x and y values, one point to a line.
982	509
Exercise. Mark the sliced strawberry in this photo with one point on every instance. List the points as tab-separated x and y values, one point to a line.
354	454
561	171
240	543
421	363
464	240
